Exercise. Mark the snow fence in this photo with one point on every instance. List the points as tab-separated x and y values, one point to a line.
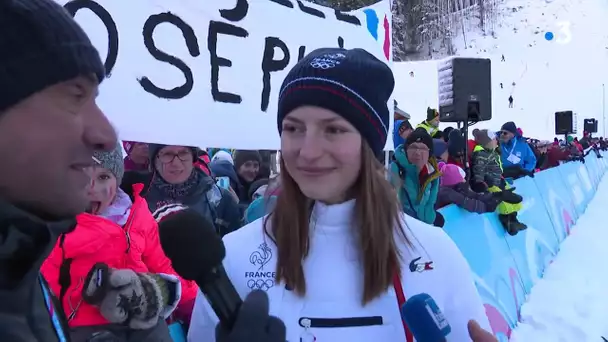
506	267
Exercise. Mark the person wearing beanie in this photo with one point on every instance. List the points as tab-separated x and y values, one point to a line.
337	229
202	160
415	175
440	150
431	124
486	176
49	77
454	189
258	188
445	135
456	148
177	178
263	201
518	159
224	168
247	166
137	158
99	237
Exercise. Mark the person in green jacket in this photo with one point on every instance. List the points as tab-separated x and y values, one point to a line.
486	176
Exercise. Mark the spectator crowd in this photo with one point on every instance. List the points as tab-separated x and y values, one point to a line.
430	169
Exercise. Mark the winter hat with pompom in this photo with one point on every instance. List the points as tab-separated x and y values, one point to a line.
451	174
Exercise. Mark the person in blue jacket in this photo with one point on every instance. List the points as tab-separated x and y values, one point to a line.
518	159
401	131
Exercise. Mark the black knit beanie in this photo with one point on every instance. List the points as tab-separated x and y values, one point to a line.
456	143
41	45
446	133
431	114
153	150
351	83
243	156
420	135
509	127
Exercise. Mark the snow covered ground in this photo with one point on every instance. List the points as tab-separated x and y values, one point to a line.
570	303
566	73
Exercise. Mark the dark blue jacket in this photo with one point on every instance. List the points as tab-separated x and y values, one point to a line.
211	201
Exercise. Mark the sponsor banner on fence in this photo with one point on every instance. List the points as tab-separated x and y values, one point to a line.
207	73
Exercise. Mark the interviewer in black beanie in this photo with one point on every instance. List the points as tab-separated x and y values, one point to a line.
49	127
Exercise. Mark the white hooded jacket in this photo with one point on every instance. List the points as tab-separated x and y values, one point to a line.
334	285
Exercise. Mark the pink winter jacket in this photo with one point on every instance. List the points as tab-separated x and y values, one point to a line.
135	246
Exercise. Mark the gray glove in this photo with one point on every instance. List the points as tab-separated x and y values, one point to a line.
123	296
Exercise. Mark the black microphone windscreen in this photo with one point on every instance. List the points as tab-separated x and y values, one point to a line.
191	243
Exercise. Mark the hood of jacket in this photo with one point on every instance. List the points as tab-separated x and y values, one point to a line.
397	139
25	241
224	168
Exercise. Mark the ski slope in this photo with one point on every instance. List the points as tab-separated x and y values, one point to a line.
563	74
570	303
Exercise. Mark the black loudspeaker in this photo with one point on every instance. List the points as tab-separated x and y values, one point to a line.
590	125
465	89
594	127
564	123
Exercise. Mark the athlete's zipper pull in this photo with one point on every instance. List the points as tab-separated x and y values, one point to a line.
307	335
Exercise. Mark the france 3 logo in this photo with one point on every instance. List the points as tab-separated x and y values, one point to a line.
562	34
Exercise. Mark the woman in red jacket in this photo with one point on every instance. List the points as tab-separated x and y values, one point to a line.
116	231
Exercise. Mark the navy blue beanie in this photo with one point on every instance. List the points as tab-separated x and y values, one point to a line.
439	147
352	83
509	127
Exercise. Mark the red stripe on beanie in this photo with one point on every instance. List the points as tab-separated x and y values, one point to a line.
351	101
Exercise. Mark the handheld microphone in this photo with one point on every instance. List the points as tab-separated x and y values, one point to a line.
196	252
425	319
